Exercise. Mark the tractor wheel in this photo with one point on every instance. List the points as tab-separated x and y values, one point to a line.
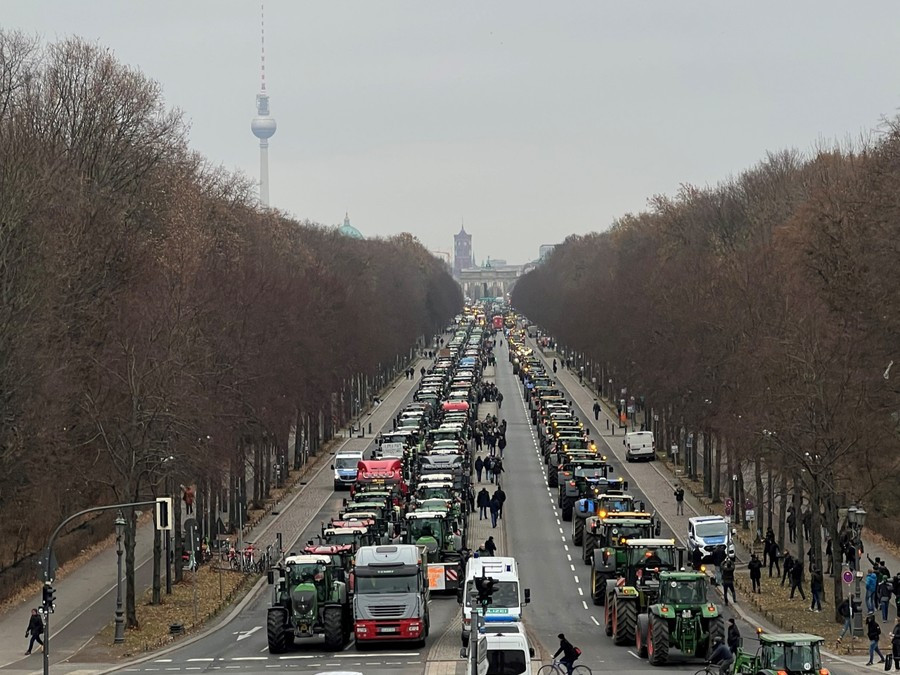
716	629
334	628
588	544
658	643
577	531
278	631
608	614
552	477
567	507
624	620
641	633
598	588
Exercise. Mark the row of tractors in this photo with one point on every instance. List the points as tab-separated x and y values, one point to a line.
400	533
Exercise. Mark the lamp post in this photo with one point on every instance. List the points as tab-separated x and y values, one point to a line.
856	517
120	613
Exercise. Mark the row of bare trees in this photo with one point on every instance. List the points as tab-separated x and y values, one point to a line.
759	318
156	327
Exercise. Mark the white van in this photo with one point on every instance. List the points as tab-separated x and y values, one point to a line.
639	445
509	598
344	467
707	532
503	649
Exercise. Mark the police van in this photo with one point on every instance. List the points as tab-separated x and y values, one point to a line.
344	467
508	599
709	532
501	648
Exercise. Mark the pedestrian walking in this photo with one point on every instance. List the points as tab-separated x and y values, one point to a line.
884	592
728	579
846	614
479	467
554	366
596	410
775	559
734	637
495	510
717	558
470	498
188	498
797	579
499	400
829	556
696	559
679	500
35	628
873	631
895	646
792	524
755	567
816	588
501	445
767	546
489	467
497	466
501	498
788	566
490	548
871	588
483	501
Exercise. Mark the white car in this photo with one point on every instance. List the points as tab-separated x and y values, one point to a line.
639	445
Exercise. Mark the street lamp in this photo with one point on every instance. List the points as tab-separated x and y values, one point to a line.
120	614
856	518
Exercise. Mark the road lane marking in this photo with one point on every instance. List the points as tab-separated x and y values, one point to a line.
163	661
557	522
580	592
562	531
563	538
264	649
576	579
596	623
297	656
584	604
249	658
202	660
566	546
569	556
633	654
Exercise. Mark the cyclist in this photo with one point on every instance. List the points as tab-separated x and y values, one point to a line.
570	655
721	656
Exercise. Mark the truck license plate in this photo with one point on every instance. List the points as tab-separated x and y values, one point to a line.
389	630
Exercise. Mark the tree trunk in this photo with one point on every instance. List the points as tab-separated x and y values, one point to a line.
707	464
156	597
130	607
770	497
757	475
177	541
782	510
798	524
716	444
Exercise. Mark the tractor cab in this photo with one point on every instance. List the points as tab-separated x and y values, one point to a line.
342	536
431	529
435	490
788	653
341	556
645	559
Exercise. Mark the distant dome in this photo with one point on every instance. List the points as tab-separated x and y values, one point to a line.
263	127
348	230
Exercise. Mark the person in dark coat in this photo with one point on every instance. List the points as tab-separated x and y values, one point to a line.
497	467
501	497
895	645
816	588
873	632
797	579
788	566
774	560
483	502
470	498
490	548
495	510
755	567
696	559
501	444
728	579
35	628
734	637
566	648
767	545
489	468
479	467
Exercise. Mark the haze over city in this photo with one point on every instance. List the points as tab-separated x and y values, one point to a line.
528	120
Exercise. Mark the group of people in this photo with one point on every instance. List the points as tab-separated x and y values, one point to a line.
488	392
491	467
490	434
723	652
492	503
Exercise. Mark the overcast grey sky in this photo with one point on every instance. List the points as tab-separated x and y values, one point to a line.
530	119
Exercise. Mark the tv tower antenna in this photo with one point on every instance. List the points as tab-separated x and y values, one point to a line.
263	125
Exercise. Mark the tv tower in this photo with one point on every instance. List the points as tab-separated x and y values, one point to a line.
263	125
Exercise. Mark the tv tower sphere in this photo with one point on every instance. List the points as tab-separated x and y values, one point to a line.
263	127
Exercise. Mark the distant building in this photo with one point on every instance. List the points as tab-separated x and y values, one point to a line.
545	250
348	230
462	251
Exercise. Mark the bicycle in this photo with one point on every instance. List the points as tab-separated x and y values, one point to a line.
709	669
556	668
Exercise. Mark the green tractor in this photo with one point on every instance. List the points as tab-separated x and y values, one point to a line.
681	617
596	501
637	587
782	653
604	546
309	597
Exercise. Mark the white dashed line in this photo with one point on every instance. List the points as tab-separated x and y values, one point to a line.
569	556
633	654
580	592
576	579
584	604
572	567
559	523
596	623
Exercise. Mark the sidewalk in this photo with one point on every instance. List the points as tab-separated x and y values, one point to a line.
86	597
655	478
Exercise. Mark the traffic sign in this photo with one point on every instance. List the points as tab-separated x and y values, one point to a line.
750	514
729	503
847	576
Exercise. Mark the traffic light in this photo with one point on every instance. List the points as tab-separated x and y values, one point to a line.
163	513
49	598
485	587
